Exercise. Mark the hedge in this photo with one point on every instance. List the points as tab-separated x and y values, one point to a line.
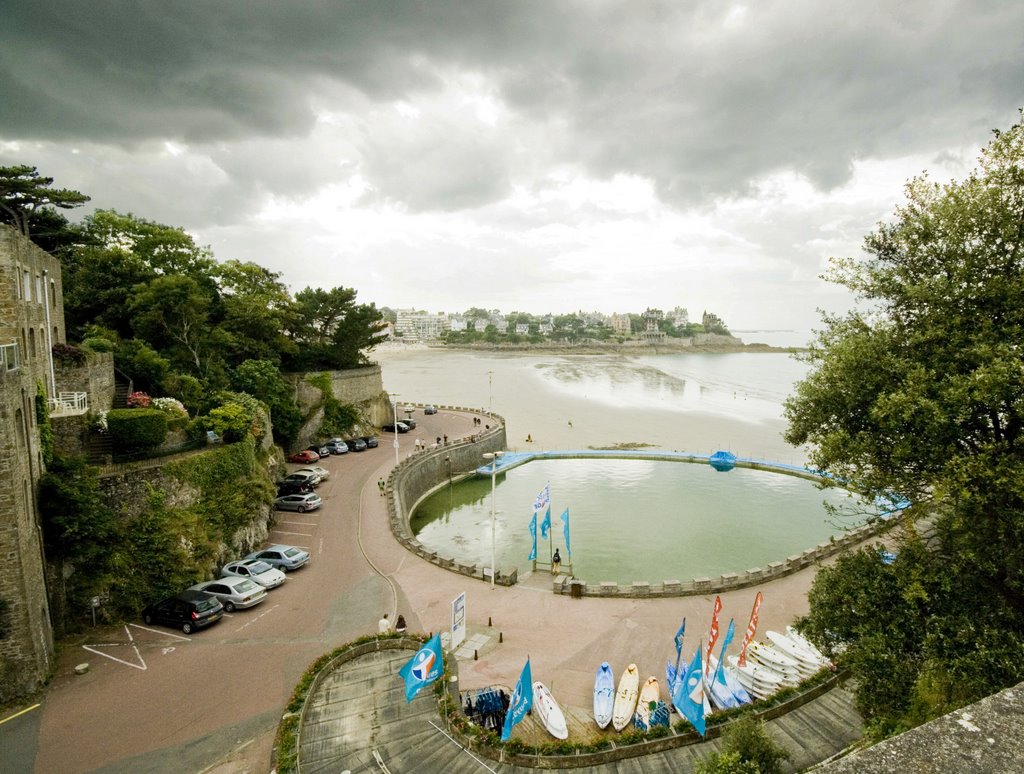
132	429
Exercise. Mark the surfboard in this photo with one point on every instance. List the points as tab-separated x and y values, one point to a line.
648	699
625	698
604	695
550	713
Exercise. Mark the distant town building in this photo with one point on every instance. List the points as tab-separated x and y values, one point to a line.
680	317
420	325
620	324
712	321
457	323
652	320
480	324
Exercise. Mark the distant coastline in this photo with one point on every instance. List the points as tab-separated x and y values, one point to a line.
715	345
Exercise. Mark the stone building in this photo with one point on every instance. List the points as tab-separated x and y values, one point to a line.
31	321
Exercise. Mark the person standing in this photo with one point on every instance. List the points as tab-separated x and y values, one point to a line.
383	625
380	486
400	624
556	562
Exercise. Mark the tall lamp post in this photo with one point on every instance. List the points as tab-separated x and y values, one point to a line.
394	397
490	391
493	457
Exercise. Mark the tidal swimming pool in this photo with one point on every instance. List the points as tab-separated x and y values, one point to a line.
636	520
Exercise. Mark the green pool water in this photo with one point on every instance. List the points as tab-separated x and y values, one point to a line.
636	520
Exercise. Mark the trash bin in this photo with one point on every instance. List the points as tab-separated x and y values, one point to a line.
576	589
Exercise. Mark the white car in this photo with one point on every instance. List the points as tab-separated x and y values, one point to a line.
267	576
324	473
235	592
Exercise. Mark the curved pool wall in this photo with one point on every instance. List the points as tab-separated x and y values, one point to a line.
420	475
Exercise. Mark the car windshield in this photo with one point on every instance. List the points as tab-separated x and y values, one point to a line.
258	568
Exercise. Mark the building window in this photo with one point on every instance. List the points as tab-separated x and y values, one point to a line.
27	285
53	293
19	426
9	357
17	284
39	289
32	344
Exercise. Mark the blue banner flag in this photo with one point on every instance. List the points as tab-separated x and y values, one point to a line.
533	534
679	639
521	703
565	531
719	671
546	524
542	500
423	668
689	694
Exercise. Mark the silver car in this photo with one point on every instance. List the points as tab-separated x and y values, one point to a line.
267	576
282	557
235	593
308	501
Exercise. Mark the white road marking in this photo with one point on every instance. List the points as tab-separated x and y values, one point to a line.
255	619
157	631
282	532
131	641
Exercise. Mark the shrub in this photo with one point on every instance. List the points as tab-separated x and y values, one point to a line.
98	344
139	400
68	354
136	429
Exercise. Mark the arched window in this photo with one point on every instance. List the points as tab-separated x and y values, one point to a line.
19	426
17	283
32	343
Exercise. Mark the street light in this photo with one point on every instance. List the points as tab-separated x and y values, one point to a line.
490	393
493	457
394	397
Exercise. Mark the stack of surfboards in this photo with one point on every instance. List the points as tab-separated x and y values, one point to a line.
550	713
604	695
625	698
805	644
732	693
759	681
808	663
776	660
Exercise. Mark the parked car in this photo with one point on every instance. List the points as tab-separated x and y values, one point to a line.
370	441
235	593
430	409
261	572
319	449
337	446
302	502
290	488
282	557
356	444
316	470
410	423
390	427
188	611
305	457
307	477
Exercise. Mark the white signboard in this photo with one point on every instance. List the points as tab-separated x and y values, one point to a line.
458	620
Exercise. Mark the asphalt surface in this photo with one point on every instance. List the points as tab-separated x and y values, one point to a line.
154	700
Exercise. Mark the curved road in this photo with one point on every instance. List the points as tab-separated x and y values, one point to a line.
154	700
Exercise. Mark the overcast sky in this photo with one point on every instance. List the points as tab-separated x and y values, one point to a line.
533	156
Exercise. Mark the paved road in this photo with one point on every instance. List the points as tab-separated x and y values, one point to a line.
156	701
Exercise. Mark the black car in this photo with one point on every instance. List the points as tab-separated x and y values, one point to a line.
390	427
370	441
288	487
410	423
188	611
430	410
322	449
356	444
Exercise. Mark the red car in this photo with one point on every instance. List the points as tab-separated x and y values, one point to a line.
305	457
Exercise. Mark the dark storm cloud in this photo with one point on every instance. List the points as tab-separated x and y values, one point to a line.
700	97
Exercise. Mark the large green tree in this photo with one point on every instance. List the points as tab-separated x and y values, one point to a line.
27	199
919	393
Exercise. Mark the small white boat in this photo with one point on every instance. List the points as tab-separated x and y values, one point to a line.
625	698
807	645
650	694
604	695
759	680
550	713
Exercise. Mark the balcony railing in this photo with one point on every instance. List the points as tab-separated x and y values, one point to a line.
69	404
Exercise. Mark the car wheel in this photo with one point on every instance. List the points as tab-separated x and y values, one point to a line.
301	509
229	606
186	627
147	618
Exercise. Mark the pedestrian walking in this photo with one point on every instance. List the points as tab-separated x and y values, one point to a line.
400	624
446	439
380	486
556	563
383	625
